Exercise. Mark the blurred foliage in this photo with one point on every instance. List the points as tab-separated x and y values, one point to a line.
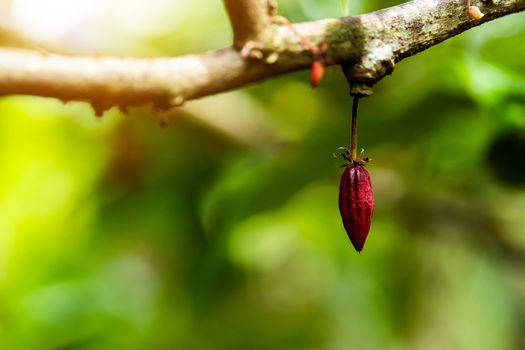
222	230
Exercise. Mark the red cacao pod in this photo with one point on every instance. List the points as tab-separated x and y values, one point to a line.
356	204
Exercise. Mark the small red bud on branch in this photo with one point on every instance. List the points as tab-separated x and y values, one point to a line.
474	12
316	73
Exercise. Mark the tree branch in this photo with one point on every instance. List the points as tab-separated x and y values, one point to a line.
367	45
250	20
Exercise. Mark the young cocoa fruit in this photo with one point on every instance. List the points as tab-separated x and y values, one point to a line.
356	204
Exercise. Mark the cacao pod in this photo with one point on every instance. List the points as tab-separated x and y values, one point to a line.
356	204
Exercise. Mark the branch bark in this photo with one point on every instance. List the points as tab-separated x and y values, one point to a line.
367	45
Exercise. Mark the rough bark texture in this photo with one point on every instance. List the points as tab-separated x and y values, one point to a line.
367	46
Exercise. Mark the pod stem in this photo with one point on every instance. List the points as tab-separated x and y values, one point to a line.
353	136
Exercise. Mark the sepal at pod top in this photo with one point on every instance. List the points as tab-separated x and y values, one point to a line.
356	203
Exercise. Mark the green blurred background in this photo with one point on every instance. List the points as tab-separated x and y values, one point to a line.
222	231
